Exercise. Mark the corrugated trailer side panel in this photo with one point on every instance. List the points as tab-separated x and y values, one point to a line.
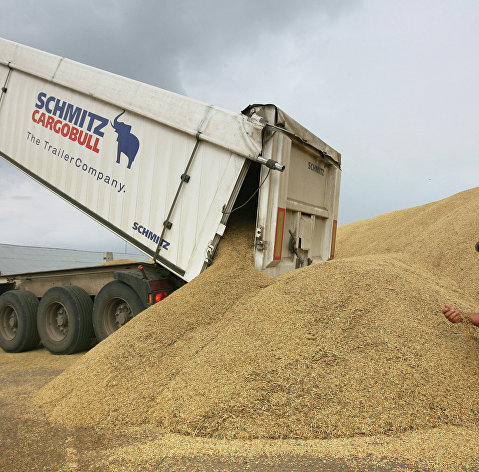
117	149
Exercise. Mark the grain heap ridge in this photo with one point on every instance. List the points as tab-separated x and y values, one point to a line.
354	346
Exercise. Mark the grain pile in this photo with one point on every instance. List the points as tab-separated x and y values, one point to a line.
439	236
354	346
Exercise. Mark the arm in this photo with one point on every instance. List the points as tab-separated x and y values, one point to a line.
455	316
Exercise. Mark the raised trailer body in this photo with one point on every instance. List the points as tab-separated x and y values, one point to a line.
163	171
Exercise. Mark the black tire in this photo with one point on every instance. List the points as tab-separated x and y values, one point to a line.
115	305
64	320
18	324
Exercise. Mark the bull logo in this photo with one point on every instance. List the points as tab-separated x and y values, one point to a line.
128	143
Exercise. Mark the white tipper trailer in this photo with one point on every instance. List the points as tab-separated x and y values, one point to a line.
163	172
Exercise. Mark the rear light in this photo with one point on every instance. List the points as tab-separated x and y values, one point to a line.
160	296
156	297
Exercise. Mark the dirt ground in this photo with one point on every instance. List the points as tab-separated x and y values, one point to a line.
29	443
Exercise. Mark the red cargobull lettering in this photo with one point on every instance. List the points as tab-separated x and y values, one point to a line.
70	121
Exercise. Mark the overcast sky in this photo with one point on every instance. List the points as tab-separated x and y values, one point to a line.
391	85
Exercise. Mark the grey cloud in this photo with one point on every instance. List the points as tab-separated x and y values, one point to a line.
104	34
148	40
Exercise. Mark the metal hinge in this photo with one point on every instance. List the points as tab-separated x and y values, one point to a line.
258	238
209	253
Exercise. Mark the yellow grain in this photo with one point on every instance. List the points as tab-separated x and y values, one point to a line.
354	347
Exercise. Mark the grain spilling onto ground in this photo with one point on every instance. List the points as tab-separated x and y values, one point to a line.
445	449
356	346
122	377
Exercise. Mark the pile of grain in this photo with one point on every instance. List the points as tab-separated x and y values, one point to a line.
120	379
354	346
439	236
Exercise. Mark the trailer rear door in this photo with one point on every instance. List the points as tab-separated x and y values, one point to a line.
298	208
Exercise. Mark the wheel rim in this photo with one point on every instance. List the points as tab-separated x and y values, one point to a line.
56	322
8	323
117	314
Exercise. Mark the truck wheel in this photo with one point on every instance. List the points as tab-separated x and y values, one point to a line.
115	305
18	326
64	320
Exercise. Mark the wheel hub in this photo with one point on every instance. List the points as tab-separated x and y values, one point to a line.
12	321
61	319
56	322
8	323
122	314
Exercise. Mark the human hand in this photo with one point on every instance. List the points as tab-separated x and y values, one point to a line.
453	315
